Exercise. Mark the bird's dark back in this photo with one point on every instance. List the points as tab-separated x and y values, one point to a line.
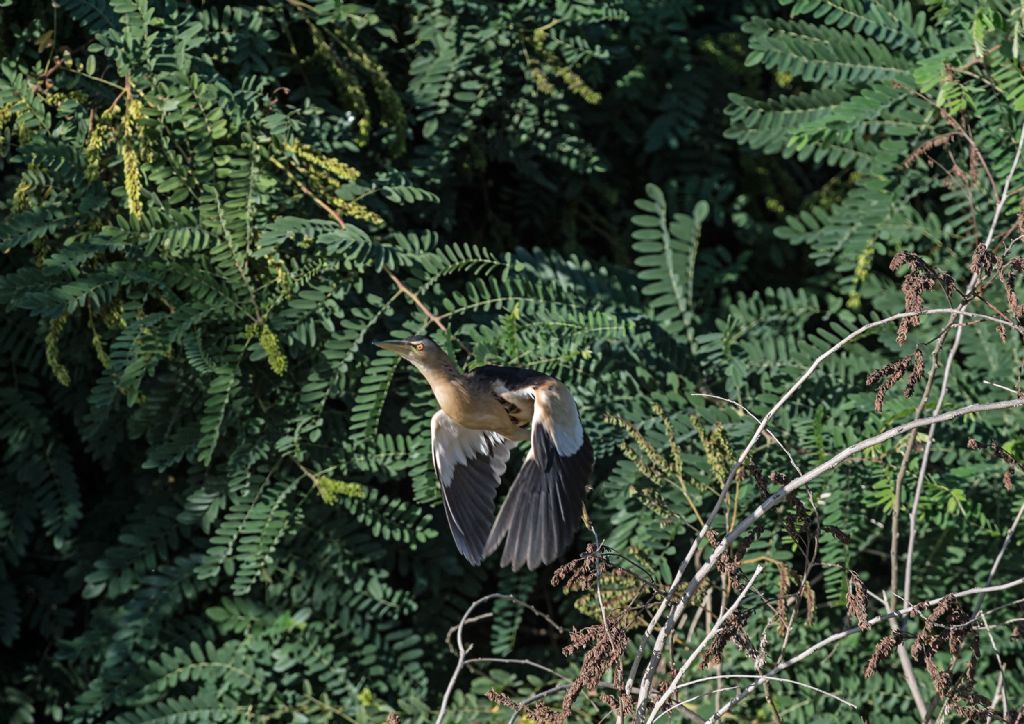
514	378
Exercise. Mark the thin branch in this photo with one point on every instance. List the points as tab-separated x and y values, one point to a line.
906	665
333	213
700	647
785	491
1000	681
463	649
840	635
947	370
1002	550
676	612
423	307
768	434
766	677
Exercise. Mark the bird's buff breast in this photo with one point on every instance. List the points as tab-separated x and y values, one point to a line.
478	414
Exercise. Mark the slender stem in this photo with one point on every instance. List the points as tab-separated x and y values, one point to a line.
463	649
840	635
906	665
1002	550
947	370
422	307
768	434
676	612
766	677
700	647
333	213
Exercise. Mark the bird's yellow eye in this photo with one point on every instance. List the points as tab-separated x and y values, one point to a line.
419	346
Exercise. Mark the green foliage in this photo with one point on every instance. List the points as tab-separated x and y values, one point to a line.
217	500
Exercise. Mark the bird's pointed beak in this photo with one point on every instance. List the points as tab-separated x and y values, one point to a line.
399	347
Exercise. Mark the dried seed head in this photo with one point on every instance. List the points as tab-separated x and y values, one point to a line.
857	602
883	649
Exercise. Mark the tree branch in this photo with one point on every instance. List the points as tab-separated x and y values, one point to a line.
853	631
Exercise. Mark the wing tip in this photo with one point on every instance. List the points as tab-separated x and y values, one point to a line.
542	512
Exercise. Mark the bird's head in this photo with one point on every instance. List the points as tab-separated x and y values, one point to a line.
420	350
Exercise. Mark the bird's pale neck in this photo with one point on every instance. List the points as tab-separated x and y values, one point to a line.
439	373
449	387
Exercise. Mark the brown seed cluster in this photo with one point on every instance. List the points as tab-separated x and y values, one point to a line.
728	564
539	713
985	263
883	649
732	629
857	602
997	451
951	628
930	145
921	278
888	376
580	573
605	644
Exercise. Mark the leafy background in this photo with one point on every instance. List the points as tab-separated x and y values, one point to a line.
217	501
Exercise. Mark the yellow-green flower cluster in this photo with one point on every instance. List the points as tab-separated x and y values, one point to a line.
113	316
860	274
330	489
101	136
717	448
270	344
540	80
22	195
97	345
323	170
326	173
276	264
365	697
130	157
52	344
354	210
577	86
392	112
347	85
570	78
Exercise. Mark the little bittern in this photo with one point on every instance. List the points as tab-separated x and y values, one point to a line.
483	414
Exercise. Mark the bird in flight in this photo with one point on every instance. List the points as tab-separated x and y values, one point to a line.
483	414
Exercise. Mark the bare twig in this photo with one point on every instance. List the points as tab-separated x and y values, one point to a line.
1001	680
906	665
423	307
768	434
779	495
463	650
957	317
999	557
333	213
765	677
676	612
840	635
700	647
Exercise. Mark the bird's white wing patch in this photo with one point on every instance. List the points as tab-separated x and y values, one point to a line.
522	394
556	411
469	464
452	445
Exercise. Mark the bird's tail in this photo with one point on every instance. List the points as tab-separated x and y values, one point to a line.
542	511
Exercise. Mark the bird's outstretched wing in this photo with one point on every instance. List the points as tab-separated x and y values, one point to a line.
469	464
542	511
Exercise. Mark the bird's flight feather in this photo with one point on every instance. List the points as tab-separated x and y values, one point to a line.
469	464
542	511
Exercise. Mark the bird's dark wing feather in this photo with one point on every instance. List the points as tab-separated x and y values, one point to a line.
469	465
539	518
512	378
